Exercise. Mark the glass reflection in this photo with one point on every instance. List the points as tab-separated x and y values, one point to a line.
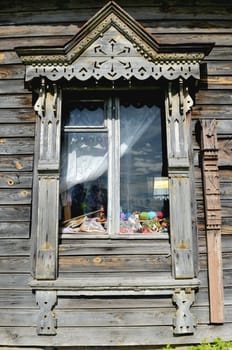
143	208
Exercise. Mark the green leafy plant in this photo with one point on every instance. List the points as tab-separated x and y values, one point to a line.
217	344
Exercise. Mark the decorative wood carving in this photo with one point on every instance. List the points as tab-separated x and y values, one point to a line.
178	104
48	109
47	323
184	322
113	45
213	219
113	56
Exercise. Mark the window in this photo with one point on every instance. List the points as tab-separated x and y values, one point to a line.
113	47
113	164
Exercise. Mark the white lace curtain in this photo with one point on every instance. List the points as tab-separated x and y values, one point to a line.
85	155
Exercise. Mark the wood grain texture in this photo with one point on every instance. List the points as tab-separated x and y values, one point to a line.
109	336
106	321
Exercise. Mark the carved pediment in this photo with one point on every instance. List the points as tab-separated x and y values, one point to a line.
113	45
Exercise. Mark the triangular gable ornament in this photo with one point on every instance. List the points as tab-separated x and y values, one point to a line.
113	45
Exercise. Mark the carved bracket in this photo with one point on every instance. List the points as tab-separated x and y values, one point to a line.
47	322
184	322
47	106
178	104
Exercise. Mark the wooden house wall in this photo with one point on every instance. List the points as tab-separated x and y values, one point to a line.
110	320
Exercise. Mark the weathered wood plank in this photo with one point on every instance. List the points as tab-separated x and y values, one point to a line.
226	189
21	115
15	196
15	213
16	101
202	297
114	248
219	68
181	38
128	317
12	264
119	317
17	130
15	180
9	57
81	4
14	229
12	146
225	153
105	318
91	282
226	208
226	257
221	53
15	281
16	299
214	97
109	336
150	13
15	86
224	127
16	71
140	302
106	263
12	247
14	318
10	43
211	111
10	31
226	227
216	82
16	163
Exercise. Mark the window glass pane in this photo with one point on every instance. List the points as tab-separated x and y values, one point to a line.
86	113
143	187
83	184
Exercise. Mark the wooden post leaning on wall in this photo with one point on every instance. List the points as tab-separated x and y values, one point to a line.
48	107
213	219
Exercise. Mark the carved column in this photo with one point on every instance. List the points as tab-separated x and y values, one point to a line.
48	109
213	219
178	103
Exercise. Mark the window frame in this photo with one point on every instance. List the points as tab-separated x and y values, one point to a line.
112	103
111	45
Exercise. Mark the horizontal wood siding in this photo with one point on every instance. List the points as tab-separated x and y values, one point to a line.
114	256
121	320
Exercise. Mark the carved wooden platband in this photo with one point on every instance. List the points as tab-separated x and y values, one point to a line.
113	45
113	56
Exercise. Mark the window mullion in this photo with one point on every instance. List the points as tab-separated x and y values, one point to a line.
114	166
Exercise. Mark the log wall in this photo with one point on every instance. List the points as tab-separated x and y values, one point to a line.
108	321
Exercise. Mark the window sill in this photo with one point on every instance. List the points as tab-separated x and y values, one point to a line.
94	235
114	285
